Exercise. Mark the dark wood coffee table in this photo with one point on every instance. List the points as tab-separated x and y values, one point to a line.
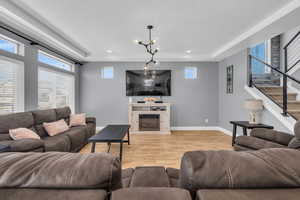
111	134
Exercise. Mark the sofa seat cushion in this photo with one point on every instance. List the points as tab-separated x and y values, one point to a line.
59	170
24	145
52	194
149	177
59	142
251	194
78	136
256	143
151	194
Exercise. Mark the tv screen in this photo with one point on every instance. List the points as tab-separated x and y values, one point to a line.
148	83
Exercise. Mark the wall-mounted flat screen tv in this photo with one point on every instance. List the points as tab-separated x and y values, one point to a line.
148	83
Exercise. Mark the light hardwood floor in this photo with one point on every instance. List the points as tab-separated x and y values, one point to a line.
165	150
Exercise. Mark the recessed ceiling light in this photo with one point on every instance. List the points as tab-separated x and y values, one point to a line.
109	51
188	51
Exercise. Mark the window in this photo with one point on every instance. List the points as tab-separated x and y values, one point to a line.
190	73
11	86
107	72
10	45
55	61
55	89
263	52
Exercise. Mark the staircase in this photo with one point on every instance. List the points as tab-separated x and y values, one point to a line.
275	93
275	89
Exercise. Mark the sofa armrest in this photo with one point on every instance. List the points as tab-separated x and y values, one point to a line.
91	120
272	135
60	170
267	168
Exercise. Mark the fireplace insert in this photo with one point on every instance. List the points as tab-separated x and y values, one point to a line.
149	122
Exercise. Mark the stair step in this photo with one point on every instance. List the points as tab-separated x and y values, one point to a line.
271	89
291	104
278	96
295	113
294	110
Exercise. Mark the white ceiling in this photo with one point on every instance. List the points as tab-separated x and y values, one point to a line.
206	27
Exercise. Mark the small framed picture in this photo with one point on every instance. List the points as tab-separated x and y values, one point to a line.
229	79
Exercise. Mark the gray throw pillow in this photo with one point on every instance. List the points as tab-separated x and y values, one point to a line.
294	143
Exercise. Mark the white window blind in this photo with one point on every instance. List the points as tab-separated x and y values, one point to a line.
11	86
55	61
55	89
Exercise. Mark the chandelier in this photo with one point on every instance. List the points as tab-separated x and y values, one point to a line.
149	48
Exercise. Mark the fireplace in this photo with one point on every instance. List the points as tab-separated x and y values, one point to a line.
149	122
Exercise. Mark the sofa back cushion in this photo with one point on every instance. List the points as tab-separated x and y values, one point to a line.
13	121
41	116
63	113
267	168
297	129
60	170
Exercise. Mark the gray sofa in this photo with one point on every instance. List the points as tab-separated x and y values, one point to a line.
58	176
70	141
261	138
269	174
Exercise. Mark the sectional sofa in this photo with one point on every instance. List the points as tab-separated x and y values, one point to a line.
261	138
269	174
70	141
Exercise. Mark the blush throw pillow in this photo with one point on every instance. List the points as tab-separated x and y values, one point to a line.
23	133
57	127
77	120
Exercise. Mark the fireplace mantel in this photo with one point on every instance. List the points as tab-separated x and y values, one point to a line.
135	110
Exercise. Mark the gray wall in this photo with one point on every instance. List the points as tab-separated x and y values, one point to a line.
192	100
31	72
231	105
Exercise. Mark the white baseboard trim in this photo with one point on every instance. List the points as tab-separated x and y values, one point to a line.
227	132
99	128
192	128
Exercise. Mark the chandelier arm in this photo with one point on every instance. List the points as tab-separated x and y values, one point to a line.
150	40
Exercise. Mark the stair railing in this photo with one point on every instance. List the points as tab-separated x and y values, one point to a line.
286	76
285	48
